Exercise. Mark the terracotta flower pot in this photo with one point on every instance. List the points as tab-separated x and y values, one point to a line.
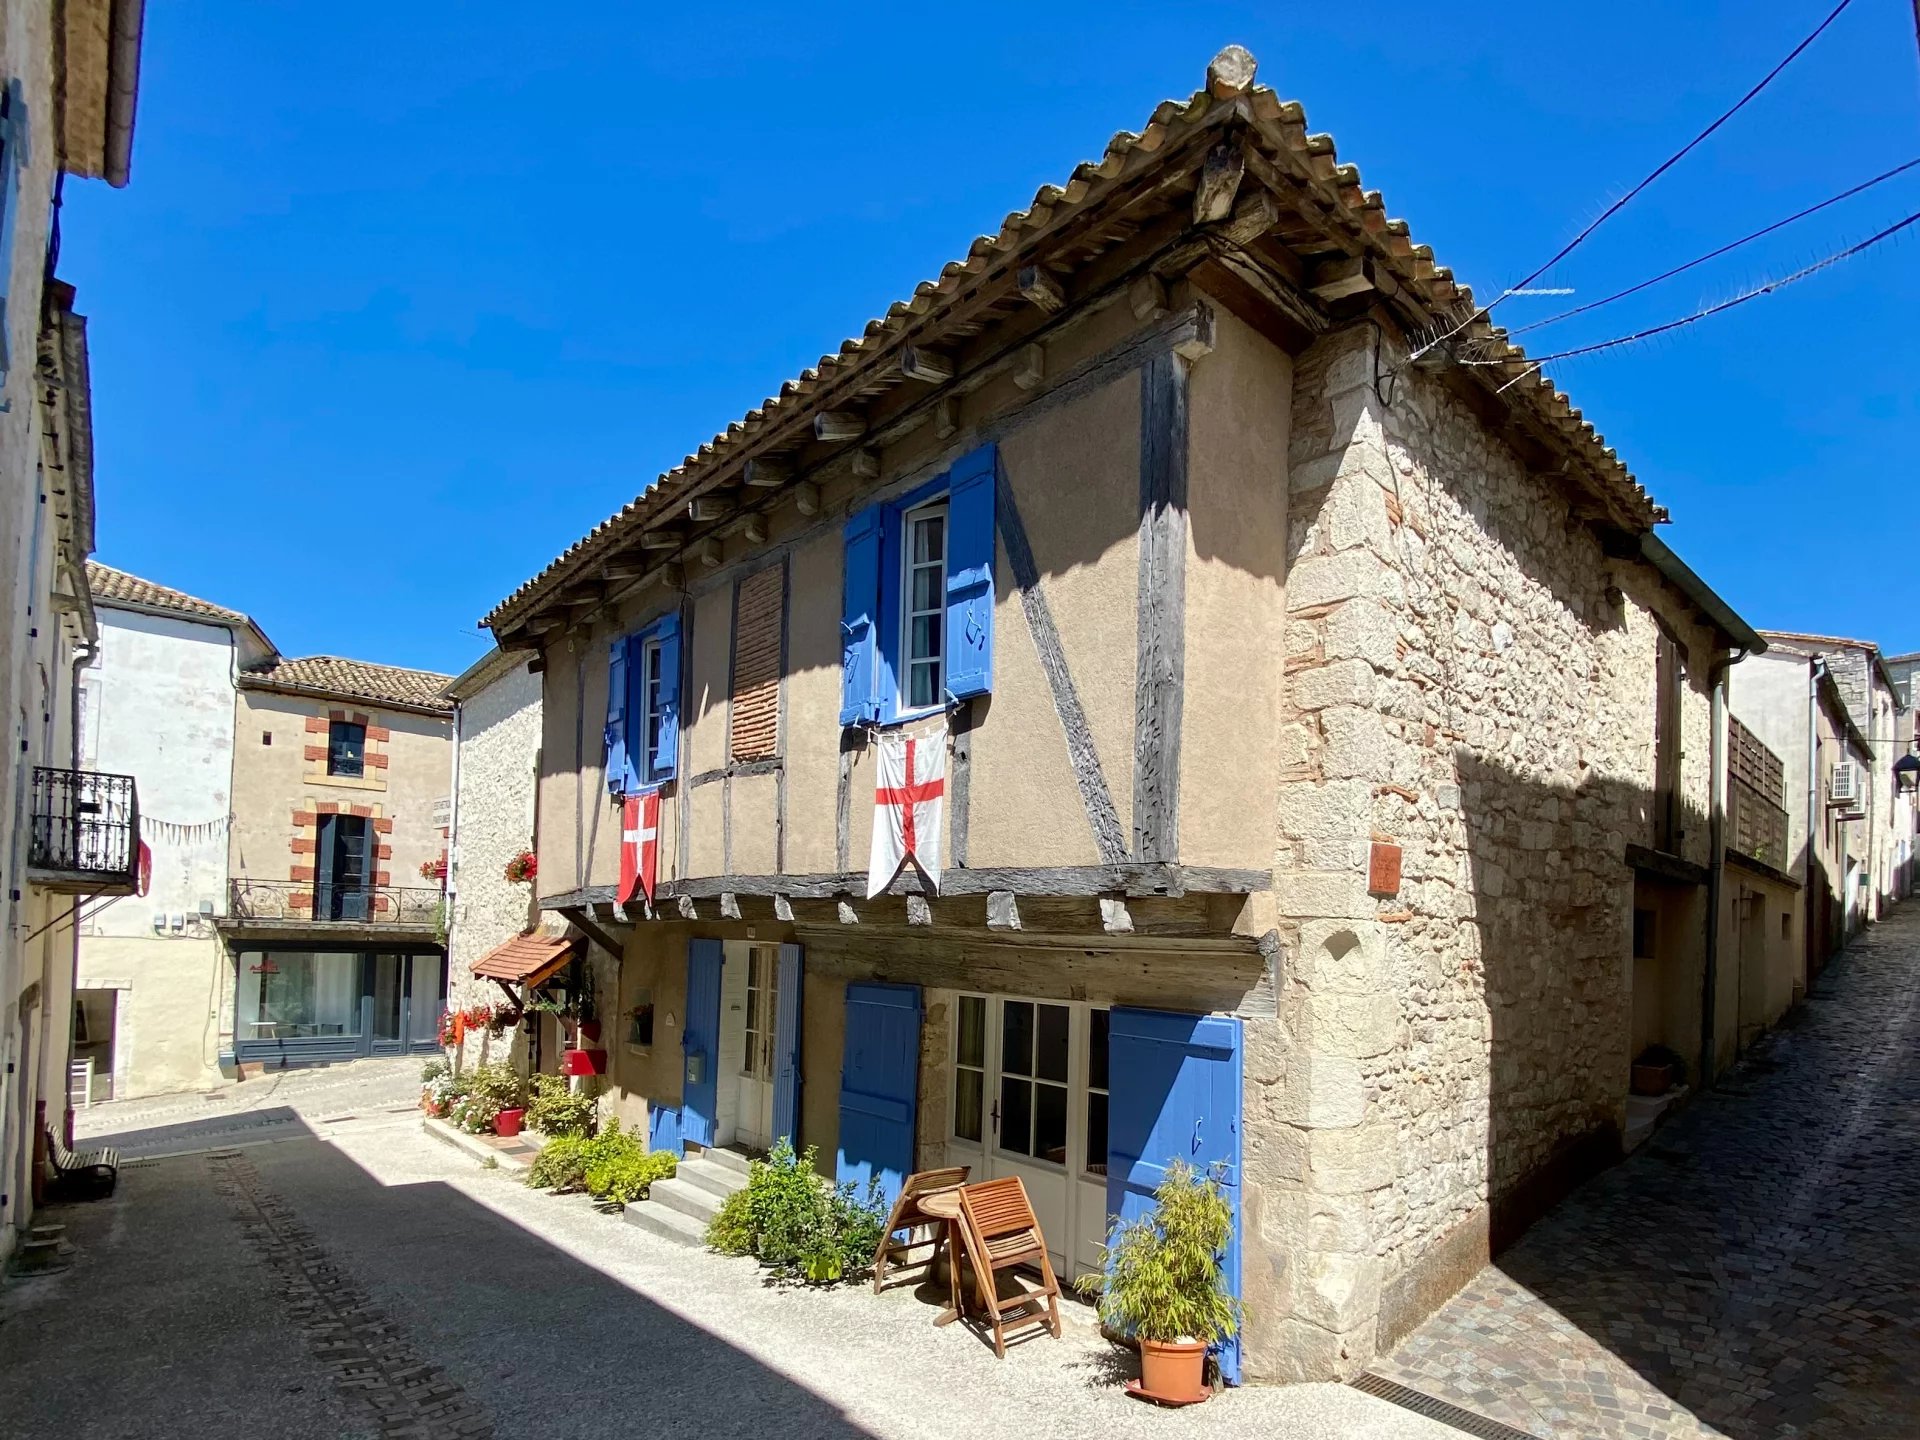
1174	1369
506	1124
1651	1079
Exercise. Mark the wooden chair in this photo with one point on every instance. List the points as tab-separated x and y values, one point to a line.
1003	1233
907	1215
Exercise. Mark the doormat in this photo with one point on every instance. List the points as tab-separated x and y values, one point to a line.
1435	1409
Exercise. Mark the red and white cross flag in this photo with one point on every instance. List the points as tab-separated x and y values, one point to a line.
909	807
639	845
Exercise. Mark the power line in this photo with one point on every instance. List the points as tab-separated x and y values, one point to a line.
1716	254
1660	170
1754	294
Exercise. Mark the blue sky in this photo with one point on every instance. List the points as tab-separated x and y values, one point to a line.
399	306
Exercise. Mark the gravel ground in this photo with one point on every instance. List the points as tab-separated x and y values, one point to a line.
286	1288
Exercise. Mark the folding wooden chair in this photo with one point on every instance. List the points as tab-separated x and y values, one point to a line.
907	1215
1003	1233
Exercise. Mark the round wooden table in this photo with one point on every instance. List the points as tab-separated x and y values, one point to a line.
944	1205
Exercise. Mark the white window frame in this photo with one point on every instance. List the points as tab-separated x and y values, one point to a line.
904	708
652	665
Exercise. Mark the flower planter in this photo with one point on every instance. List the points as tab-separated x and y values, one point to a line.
1173	1371
1651	1079
506	1124
583	1062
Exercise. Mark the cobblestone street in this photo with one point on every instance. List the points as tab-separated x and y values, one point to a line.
1753	1271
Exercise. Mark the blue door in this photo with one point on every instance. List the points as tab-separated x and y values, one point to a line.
879	1086
786	1048
663	1128
1175	1086
700	1043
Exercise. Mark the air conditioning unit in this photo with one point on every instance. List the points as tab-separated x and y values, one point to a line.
1843	786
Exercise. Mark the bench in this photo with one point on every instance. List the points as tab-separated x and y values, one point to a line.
87	1176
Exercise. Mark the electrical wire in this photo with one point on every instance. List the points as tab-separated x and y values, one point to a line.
1617	206
1534	363
1716	254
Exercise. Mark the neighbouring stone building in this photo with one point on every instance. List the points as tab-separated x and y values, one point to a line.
69	78
157	700
336	941
496	765
1325	743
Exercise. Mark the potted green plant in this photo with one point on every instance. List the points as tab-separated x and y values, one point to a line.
1162	1284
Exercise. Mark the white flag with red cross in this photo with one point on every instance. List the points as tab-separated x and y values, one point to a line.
639	846
909	807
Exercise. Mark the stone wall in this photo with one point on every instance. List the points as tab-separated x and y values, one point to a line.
1471	680
499	756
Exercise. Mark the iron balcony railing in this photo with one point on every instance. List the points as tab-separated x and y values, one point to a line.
333	903
85	830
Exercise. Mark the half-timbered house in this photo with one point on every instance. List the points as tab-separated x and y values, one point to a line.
1307	692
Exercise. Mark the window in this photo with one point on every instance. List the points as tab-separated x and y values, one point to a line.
923	612
1097	1092
643	707
1033	1080
970	1068
1670	680
917	614
346	749
344	868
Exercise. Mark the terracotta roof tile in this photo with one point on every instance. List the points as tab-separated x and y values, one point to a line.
1309	163
358	679
526	958
109	585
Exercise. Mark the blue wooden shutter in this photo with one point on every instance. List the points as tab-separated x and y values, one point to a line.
1175	1094
859	616
14	156
665	759
879	1087
663	1128
970	520
700	1042
620	774
786	1047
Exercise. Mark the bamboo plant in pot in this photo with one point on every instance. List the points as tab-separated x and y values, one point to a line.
1163	1284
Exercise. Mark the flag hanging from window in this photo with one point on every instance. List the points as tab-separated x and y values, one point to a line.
639	846
909	807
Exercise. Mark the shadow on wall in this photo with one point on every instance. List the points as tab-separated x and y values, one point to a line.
1568	1001
537	1342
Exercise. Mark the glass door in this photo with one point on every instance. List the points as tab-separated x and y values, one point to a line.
387	979
755	1123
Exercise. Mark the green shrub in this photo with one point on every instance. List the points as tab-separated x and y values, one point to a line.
731	1231
625	1177
800	1225
1162	1279
556	1110
434	1069
500	1083
560	1166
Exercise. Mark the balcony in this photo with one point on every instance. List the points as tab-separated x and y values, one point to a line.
1756	825
304	907
85	833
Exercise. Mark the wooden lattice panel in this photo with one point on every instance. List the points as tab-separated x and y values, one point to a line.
758	631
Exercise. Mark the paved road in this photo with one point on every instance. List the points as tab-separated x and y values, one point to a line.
1753	1271
368	1281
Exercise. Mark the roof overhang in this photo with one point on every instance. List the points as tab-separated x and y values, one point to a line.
1677	573
1226	188
529	960
98	86
246	681
490	667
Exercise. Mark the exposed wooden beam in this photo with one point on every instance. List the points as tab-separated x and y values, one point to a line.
660	539
1339	278
1042	288
769	473
1252	218
703	509
729	905
930	367
839	425
1147	298
1219	183
579	917
946	417
1003	910
806	498
1031	367
1137	879
918	911
624	567
755	530
710	554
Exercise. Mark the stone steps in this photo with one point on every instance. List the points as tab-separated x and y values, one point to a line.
680	1209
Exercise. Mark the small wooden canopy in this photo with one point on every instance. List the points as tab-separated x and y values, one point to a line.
529	960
